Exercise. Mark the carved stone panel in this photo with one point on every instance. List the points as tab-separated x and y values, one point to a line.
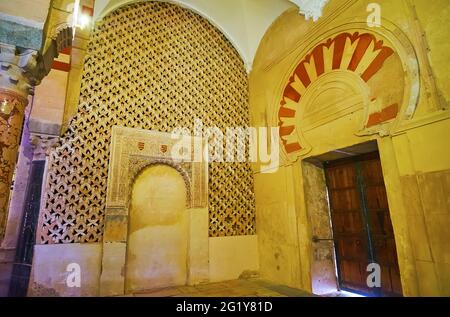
132	150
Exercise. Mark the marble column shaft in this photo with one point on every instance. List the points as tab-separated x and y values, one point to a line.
12	107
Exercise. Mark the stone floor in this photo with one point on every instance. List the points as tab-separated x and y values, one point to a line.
236	288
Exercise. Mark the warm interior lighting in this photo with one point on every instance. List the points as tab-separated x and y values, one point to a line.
351	294
76	7
6	107
79	20
84	21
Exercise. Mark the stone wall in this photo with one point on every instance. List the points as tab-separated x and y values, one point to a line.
151	66
412	141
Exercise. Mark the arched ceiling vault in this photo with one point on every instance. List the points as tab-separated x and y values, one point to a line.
243	22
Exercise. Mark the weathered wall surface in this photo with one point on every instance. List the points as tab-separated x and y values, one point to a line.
412	137
157	245
231	258
323	270
52	270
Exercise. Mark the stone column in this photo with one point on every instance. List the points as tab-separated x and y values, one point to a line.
20	70
12	107
15	212
18	74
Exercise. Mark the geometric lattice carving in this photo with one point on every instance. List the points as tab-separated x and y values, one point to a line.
152	66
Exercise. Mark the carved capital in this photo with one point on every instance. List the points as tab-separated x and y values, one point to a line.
310	8
22	69
16	67
42	145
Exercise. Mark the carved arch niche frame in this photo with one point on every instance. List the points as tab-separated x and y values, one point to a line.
354	61
131	152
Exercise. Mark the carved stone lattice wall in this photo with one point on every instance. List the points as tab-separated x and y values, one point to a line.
151	66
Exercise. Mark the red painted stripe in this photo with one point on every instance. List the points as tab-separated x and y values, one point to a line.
286	130
386	114
339	46
361	48
293	147
65	67
318	60
389	113
291	93
87	10
300	71
377	63
286	113
374	119
67	50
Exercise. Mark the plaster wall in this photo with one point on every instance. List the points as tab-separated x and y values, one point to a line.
51	269
229	258
415	154
232	258
157	250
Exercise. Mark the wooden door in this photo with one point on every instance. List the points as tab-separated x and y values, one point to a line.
362	226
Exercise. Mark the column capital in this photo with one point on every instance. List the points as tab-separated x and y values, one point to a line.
42	145
310	8
21	69
18	70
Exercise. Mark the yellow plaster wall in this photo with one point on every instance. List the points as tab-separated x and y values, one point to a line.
157	248
415	154
423	159
432	16
52	269
234	257
49	101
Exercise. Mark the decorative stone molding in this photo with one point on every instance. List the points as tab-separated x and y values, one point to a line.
361	58
132	151
16	67
62	36
22	69
310	8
